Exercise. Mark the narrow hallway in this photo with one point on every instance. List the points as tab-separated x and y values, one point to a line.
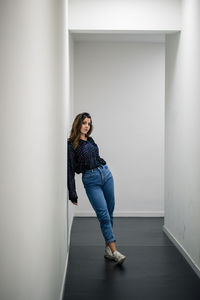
154	268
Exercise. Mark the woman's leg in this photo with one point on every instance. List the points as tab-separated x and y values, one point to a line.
96	197
112	246
108	190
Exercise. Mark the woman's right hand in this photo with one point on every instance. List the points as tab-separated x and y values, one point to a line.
75	203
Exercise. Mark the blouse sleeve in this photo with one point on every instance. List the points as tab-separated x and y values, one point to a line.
71	173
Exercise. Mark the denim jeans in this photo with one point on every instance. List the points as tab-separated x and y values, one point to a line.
99	187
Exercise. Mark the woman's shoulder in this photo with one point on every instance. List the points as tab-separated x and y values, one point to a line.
70	145
69	142
91	140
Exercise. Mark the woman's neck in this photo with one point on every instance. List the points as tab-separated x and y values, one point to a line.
83	137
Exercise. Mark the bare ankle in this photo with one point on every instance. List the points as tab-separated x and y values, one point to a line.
112	246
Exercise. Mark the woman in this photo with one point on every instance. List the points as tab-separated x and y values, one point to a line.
83	157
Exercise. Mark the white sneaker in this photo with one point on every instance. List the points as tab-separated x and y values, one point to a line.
108	253
118	257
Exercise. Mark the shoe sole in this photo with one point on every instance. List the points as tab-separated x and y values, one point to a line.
112	258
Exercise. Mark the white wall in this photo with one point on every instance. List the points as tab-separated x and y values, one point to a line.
124	15
122	85
33	149
70	118
182	188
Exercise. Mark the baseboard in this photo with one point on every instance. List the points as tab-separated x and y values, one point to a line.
182	251
66	265
122	213
64	277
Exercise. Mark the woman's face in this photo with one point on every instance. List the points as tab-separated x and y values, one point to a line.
85	125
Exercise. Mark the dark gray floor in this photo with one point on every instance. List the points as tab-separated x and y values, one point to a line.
153	269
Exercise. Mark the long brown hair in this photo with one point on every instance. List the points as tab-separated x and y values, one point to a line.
75	133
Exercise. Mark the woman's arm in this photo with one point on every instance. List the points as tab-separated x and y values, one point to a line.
71	174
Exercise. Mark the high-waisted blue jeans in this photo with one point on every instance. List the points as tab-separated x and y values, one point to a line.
99	186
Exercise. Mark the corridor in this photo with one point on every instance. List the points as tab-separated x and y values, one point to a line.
153	269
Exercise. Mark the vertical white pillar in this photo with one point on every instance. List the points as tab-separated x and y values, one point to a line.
33	97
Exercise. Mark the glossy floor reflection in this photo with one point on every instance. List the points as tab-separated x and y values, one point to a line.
153	269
